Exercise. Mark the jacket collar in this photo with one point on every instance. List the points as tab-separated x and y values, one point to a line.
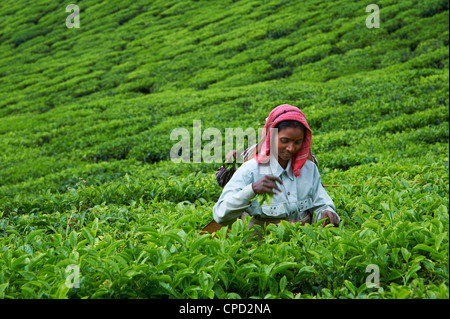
277	170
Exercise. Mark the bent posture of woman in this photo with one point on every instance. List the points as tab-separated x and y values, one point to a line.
280	166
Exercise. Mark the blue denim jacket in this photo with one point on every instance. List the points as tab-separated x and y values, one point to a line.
300	195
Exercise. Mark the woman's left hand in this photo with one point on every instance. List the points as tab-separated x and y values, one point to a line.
332	217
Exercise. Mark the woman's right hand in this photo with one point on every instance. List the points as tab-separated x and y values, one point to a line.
266	184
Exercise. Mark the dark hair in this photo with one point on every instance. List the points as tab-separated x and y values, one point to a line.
289	123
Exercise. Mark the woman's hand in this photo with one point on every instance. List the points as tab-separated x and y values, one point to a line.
266	184
332	217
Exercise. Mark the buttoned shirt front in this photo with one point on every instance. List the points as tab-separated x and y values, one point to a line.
299	195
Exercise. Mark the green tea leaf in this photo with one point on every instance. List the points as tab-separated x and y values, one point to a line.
352	261
62	291
33	234
99	293
28	275
394	274
307	270
170	290
283	282
88	235
284	266
198	242
350	287
273	286
439	238
233	295
414	268
181	275
406	254
28	293
73	239
3	288
265	197
426	248
22	260
309	231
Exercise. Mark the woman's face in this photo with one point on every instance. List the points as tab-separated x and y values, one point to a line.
290	141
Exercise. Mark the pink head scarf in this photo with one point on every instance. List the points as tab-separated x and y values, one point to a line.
282	113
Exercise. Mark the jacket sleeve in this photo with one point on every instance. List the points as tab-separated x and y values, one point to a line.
321	200
235	198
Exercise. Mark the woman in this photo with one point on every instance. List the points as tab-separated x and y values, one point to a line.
283	170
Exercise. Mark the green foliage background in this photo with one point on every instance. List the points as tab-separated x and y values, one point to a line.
85	122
